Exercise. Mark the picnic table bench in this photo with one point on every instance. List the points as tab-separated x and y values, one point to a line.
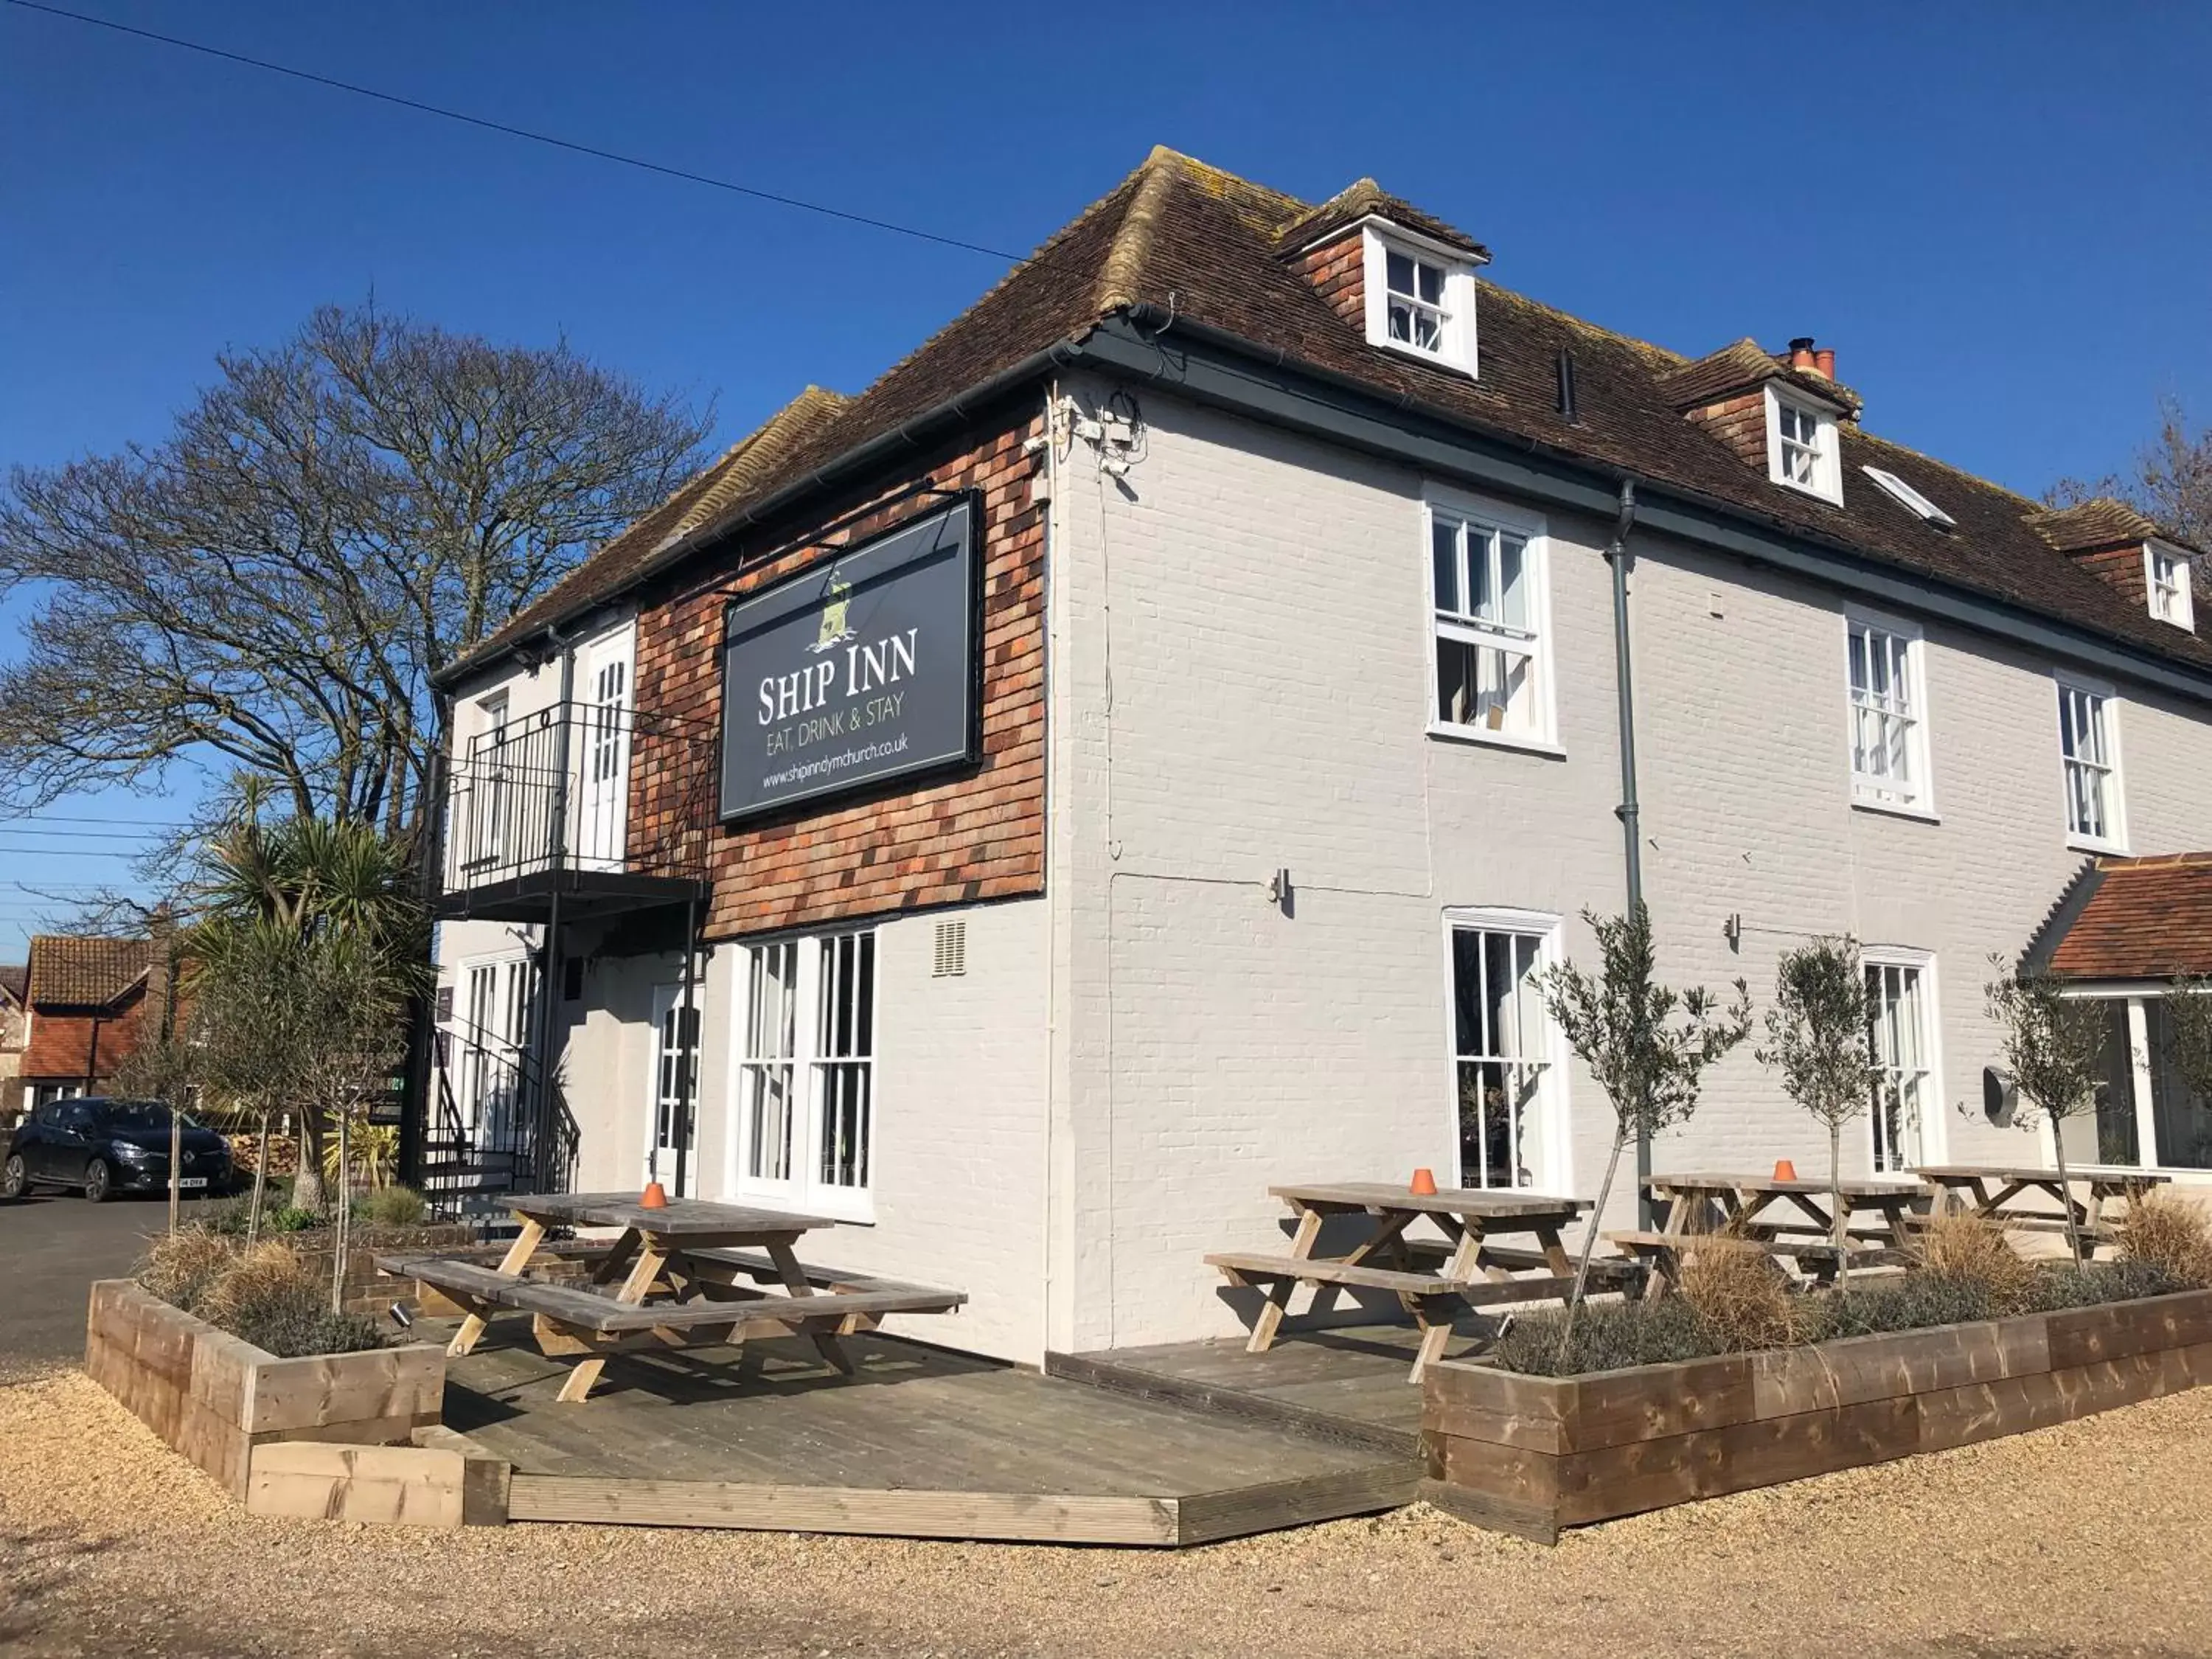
1782	1217
2003	1193
687	1252
1469	1270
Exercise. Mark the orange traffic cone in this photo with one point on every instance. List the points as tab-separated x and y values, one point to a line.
1424	1181
654	1197
1784	1169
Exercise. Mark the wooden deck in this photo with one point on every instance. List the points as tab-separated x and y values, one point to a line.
1346	1385
918	1443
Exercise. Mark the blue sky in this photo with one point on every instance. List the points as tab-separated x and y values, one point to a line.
1998	214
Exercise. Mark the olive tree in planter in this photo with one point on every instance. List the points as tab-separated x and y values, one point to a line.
1818	1036
2188	1008
2053	1048
1647	1044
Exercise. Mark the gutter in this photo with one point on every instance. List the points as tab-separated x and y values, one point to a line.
910	434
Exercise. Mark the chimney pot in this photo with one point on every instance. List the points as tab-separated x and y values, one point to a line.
1824	362
1801	352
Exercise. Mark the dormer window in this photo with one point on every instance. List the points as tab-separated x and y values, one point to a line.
2166	579
1420	297
1801	447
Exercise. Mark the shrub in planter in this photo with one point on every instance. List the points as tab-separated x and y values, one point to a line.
2168	1232
1608	1336
392	1206
1960	1248
265	1294
1740	1294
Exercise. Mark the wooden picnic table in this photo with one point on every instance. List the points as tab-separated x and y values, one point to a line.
1995	1192
1792	1219
1433	1280
691	1253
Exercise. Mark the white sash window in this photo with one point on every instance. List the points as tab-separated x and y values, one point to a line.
806	1075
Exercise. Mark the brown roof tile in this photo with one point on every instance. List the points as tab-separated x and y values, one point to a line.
1741	366
2099	522
66	971
1206	245
1363	199
14	976
2147	918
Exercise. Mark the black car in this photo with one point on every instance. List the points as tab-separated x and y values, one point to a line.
107	1146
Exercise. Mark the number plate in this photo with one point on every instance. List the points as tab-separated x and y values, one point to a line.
189	1181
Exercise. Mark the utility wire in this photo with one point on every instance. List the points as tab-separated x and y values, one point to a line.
440	110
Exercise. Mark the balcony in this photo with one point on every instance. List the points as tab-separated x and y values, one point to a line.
583	809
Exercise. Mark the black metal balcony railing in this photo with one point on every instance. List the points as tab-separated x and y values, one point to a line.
577	788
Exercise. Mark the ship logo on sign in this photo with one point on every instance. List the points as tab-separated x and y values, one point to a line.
837	600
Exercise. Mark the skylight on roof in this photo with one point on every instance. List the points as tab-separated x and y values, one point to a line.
1911	497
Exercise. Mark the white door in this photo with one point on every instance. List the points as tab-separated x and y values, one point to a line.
674	1103
605	728
495	1012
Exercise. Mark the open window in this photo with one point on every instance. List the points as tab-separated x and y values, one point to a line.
1490	634
1420	298
1801	445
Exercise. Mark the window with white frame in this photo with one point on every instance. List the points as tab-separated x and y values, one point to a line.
2090	748
805	1077
2165	577
1801	447
1486	579
1504	1081
1888	708
1420	299
1900	1033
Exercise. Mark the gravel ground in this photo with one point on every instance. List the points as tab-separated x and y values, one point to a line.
2089	1540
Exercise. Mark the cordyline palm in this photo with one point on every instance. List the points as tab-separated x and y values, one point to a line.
310	942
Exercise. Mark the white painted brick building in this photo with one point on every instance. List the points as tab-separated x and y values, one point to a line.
1208	494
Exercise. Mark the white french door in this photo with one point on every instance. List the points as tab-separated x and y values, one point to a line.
495	1012
673	1100
603	802
805	1083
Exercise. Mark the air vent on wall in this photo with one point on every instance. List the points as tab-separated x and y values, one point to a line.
951	957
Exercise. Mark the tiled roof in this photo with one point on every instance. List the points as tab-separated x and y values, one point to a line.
1738	367
14	976
1364	200
2097	522
2138	919
1187	240
69	972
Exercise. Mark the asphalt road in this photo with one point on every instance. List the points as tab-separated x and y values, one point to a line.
52	1248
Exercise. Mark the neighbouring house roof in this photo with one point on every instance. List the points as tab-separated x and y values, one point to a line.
14	978
66	971
1180	241
2147	918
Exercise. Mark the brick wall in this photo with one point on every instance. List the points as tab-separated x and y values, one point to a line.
978	834
2118	567
1740	422
1338	271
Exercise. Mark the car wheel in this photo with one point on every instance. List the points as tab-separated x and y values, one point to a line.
15	1180
96	1180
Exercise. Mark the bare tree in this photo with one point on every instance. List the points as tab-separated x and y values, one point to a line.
1647	1044
1819	1037
335	520
2171	482
2053	1048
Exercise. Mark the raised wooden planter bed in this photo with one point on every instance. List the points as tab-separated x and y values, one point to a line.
215	1398
1531	1455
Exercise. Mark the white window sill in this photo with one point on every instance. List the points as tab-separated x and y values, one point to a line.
1893	809
1434	360
2091	844
1489	740
851	1211
1814	490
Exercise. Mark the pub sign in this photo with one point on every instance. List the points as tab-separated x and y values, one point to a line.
854	671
